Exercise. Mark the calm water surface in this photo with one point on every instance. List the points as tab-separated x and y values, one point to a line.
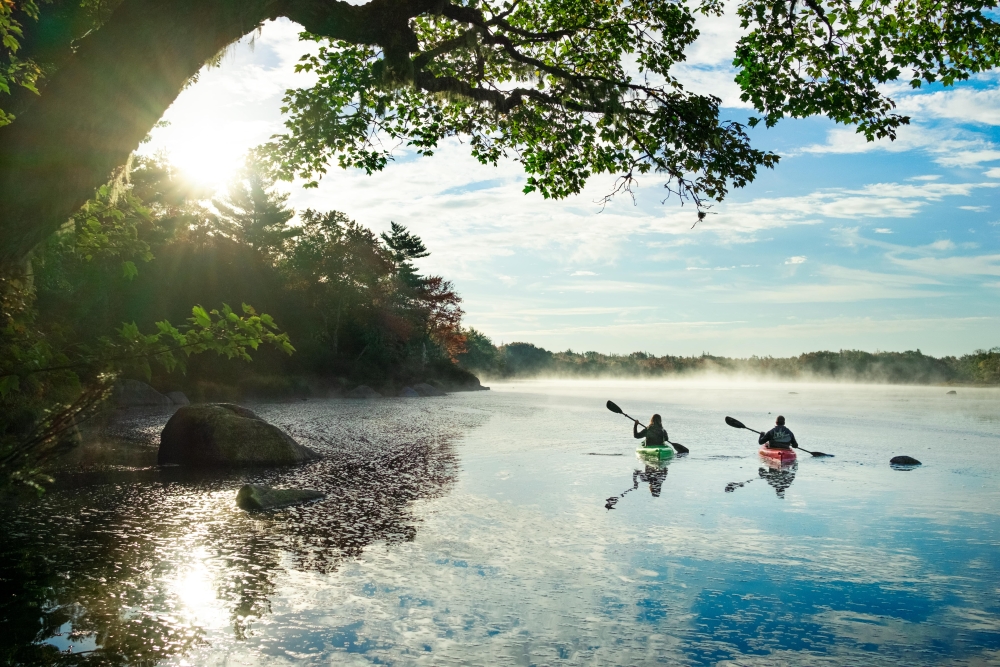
517	527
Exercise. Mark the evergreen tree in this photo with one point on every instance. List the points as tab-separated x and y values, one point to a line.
253	214
405	247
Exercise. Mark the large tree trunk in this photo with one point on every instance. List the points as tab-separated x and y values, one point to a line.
99	105
106	97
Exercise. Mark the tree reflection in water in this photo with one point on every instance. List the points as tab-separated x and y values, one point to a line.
131	567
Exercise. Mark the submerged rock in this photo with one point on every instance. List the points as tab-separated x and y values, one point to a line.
223	434
409	392
178	398
363	391
131	393
425	389
904	461
257	497
952	392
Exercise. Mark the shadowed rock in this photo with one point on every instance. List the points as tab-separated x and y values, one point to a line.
363	391
226	435
130	393
409	392
257	497
178	398
425	389
904	461
953	392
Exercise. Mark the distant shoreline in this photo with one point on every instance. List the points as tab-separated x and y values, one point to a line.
526	361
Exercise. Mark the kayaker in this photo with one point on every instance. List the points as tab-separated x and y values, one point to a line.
778	437
655	434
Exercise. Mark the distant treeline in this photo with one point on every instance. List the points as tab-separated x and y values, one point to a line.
524	360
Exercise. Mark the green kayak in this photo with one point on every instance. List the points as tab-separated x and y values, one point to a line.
659	453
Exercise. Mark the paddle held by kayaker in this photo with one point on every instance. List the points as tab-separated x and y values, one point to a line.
655	434
778	437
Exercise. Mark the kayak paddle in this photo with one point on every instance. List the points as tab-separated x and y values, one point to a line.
681	449
735	423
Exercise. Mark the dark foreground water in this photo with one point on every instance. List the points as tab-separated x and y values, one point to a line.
517	527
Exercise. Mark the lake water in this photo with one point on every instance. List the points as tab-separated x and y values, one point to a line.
517	527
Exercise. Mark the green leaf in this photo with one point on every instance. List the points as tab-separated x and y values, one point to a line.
201	317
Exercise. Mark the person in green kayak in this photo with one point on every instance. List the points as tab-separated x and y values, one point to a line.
778	437
655	434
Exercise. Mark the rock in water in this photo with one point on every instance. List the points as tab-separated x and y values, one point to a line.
904	461
363	391
425	389
256	497
223	434
953	392
130	393
409	392
178	398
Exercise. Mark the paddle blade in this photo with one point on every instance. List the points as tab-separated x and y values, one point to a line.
735	423
614	408
820	454
681	449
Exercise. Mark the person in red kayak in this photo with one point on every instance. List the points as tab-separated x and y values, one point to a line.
778	437
655	434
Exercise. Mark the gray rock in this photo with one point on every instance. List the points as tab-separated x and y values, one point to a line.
131	393
409	392
425	389
904	461
223	434
952	392
363	391
178	398
257	497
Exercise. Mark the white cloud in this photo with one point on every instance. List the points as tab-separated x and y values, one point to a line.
952	267
883	230
943	244
583	273
963	104
798	259
975	209
950	147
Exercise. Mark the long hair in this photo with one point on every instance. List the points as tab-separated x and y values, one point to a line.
656	419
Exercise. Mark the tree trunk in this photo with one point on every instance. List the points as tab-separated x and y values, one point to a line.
104	98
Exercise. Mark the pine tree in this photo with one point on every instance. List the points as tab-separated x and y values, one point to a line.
252	213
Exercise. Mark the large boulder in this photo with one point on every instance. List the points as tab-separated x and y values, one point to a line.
425	389
223	434
133	393
257	497
409	392
363	391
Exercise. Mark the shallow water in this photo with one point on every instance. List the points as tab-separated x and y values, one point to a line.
480	528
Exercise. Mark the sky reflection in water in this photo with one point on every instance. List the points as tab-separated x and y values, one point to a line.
476	528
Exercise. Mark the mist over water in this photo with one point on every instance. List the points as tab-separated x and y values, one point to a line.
476	528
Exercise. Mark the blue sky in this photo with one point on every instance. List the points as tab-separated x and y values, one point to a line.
846	244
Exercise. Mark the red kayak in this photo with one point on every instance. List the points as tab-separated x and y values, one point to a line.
780	455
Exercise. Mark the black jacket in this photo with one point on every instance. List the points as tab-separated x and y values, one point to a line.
779	437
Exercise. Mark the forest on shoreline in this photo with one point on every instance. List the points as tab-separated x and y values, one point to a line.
525	360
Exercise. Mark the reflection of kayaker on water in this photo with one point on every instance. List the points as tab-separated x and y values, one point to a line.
778	437
779	476
655	434
651	475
